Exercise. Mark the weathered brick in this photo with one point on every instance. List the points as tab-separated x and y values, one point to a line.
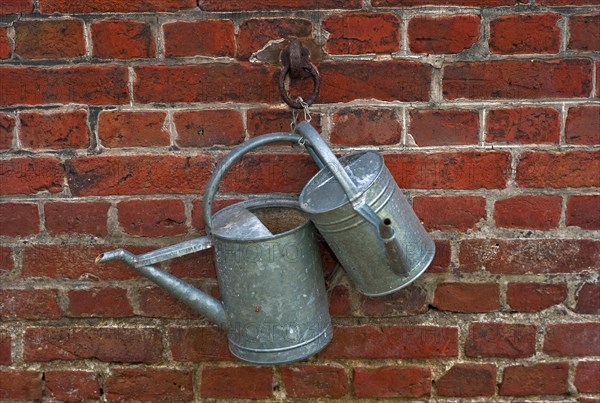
72	386
257	32
197	265
586	377
49	39
152	218
122	39
270	5
419	3
567	2
107	344
29	304
521	256
315	381
516	79
149	385
99	302
54	130
20	385
392	382
582	125
535	297
411	300
6	260
133	129
85	84
77	218
7	131
577	169
26	175
588	299
441	260
501	340
371	342
155	302
450	213
198	344
270	120
122	175
572	339
359	126
467	297
525	33
523	125
468	380
5	349
199	38
443	127
442	34
16	6
236	382
356	33
532	212
537	379
19	219
206	128
115	6
584	32
5	46
450	170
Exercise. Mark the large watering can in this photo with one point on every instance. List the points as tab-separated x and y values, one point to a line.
274	304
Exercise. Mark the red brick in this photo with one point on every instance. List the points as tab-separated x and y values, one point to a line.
584	32
54	130
441	260
29	304
6	260
500	340
392	382
349	80
315	381
197	266
7	131
450	213
516	79
49	39
587	379
467	297
271	5
206	128
371	342
588	299
575	169
532	212
568	2
150	385
450	170
138	174
468	380
444	127
155	302
133	129
114	6
407	3
93	85
196	344
359	126
72	386
20	385
5	46
583	211
357	33
152	217
535	297
255	33
598	78
107	344
523	125
122	39
522	256
99	302
236	382
411	300
78	218
525	33
572	339
537	379
25	175
19	219
199	38
16	6
443	34
5	349
582	125
272	120
242	82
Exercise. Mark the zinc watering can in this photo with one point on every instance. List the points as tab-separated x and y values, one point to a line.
274	303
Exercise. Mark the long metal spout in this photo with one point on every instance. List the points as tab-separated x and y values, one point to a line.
393	249
199	301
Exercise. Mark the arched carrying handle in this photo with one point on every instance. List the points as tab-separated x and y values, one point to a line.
215	180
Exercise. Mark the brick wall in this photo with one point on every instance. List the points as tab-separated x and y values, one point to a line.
114	113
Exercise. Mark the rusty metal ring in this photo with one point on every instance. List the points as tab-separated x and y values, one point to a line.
316	82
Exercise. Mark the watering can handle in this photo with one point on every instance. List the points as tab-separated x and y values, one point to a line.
213	184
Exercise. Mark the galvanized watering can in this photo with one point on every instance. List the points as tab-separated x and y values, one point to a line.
274	305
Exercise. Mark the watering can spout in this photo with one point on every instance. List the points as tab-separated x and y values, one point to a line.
392	246
199	301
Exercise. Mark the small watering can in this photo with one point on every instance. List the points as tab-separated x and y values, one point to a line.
274	306
358	208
